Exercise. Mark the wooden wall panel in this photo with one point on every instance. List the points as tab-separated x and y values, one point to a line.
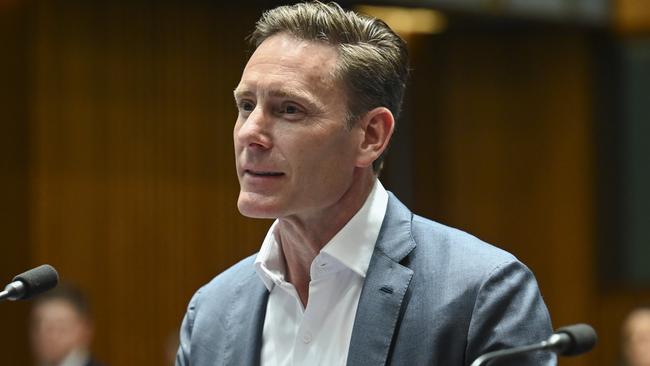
14	176
134	191
504	150
631	16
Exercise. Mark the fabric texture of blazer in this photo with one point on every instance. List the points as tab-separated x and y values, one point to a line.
433	295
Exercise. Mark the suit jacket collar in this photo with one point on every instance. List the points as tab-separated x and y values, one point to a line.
387	282
395	238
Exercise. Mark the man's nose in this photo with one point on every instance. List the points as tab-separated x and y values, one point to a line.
255	130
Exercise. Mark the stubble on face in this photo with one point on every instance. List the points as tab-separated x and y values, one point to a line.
294	152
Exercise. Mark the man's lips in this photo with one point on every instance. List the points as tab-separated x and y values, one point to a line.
263	173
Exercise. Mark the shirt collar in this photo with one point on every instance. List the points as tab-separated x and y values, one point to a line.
352	246
269	262
77	357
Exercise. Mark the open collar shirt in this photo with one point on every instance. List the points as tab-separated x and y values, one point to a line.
320	333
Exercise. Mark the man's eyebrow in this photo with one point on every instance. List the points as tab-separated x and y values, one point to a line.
290	93
239	93
302	96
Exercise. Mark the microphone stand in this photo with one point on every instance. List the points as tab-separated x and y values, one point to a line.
13	291
551	344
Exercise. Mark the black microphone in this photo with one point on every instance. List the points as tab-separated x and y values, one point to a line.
30	283
571	340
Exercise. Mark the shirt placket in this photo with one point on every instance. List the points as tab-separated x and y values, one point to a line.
312	321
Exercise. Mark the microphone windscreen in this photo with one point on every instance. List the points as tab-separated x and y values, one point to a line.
583	338
38	280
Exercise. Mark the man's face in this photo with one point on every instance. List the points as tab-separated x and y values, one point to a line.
57	329
293	152
636	334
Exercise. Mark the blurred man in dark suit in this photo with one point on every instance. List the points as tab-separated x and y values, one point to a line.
61	328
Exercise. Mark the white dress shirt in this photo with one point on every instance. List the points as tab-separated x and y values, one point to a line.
320	333
78	357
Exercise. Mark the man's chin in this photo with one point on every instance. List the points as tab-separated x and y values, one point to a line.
256	208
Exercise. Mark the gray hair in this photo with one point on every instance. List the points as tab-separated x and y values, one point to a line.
373	60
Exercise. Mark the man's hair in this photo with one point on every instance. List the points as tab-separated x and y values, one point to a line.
372	62
71	295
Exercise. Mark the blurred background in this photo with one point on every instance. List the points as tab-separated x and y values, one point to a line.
527	123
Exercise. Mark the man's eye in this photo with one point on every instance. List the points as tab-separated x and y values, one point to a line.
246	106
290	109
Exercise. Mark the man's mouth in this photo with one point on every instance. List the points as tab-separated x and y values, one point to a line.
263	173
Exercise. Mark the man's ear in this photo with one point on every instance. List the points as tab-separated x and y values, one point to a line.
377	127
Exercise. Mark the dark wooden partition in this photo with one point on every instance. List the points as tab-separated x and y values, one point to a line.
504	150
124	174
14	175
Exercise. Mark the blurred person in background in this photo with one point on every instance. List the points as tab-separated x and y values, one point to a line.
636	337
61	328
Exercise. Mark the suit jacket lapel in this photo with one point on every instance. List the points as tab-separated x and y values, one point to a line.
249	310
384	288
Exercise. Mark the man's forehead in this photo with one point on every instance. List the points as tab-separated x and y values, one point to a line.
56	310
284	66
638	320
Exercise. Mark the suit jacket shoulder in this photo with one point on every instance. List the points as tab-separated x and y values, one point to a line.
458	297
224	320
459	258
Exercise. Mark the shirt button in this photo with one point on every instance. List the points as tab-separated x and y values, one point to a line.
306	337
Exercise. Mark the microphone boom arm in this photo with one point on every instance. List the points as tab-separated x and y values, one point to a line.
547	345
571	340
13	291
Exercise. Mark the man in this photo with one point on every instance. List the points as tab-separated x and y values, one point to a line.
636	338
346	275
61	328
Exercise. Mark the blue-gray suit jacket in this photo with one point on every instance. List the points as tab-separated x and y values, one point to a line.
433	295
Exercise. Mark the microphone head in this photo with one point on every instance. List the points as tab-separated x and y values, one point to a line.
583	338
38	280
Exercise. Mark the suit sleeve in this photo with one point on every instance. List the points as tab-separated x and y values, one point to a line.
183	354
509	311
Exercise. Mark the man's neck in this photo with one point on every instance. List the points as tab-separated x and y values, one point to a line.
302	238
